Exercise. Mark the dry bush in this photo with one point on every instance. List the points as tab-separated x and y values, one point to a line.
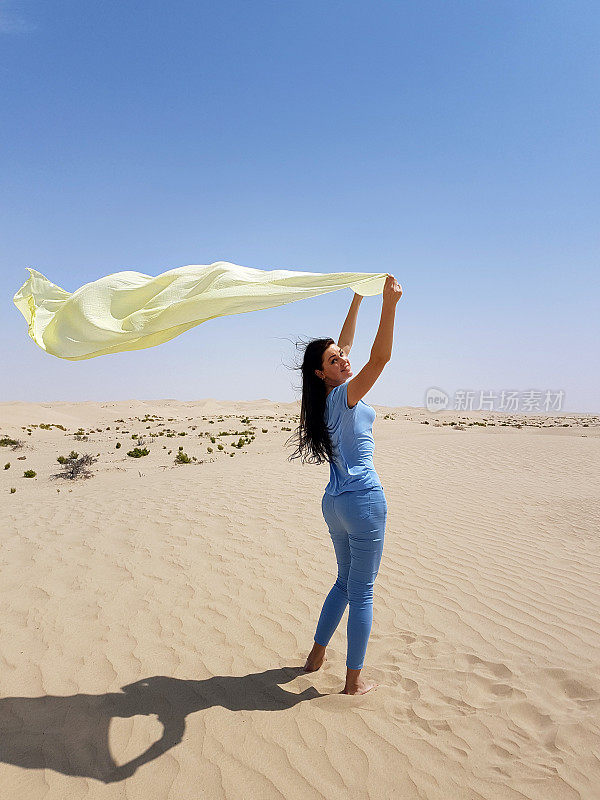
14	444
75	466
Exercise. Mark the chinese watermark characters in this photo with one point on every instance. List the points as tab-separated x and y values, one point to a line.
529	400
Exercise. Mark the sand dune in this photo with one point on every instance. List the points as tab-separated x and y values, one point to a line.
156	616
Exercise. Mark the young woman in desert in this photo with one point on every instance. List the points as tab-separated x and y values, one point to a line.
336	426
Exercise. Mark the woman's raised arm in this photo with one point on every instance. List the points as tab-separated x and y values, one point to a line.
349	327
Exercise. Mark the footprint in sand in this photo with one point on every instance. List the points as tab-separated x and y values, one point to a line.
487	669
535	724
571	686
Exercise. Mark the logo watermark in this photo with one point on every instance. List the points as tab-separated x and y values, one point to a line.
529	400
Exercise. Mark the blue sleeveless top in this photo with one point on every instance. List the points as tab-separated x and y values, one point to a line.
351	435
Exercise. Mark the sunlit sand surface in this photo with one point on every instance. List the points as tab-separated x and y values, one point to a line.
157	615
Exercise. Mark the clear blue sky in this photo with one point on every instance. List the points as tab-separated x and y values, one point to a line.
455	145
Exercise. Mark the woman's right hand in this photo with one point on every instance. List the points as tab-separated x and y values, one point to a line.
392	291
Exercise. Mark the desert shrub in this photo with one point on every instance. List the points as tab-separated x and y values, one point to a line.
71	457
137	452
118	444
75	466
6	441
12	490
7	466
182	458
29	473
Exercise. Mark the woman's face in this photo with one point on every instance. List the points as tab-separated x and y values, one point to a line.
336	366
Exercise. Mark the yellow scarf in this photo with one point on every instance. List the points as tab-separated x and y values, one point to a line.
131	311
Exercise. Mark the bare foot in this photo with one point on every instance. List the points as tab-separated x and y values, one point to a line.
313	664
362	687
315	659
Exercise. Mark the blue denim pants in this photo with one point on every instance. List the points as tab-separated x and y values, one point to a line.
356	522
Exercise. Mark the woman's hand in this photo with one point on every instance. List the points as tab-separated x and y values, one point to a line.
392	291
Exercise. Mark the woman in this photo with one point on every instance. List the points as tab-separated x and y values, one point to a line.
336	425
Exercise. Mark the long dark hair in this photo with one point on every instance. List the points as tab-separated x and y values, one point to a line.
311	435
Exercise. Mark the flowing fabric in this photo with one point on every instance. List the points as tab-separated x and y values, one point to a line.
131	311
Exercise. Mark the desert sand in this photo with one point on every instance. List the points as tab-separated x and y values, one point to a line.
156	615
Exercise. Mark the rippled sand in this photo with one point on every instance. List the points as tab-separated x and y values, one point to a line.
156	616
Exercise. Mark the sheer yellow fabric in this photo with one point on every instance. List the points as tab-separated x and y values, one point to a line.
132	311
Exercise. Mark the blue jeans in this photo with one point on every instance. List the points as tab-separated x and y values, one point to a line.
356	522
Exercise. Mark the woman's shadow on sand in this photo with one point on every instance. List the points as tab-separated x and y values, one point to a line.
70	734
